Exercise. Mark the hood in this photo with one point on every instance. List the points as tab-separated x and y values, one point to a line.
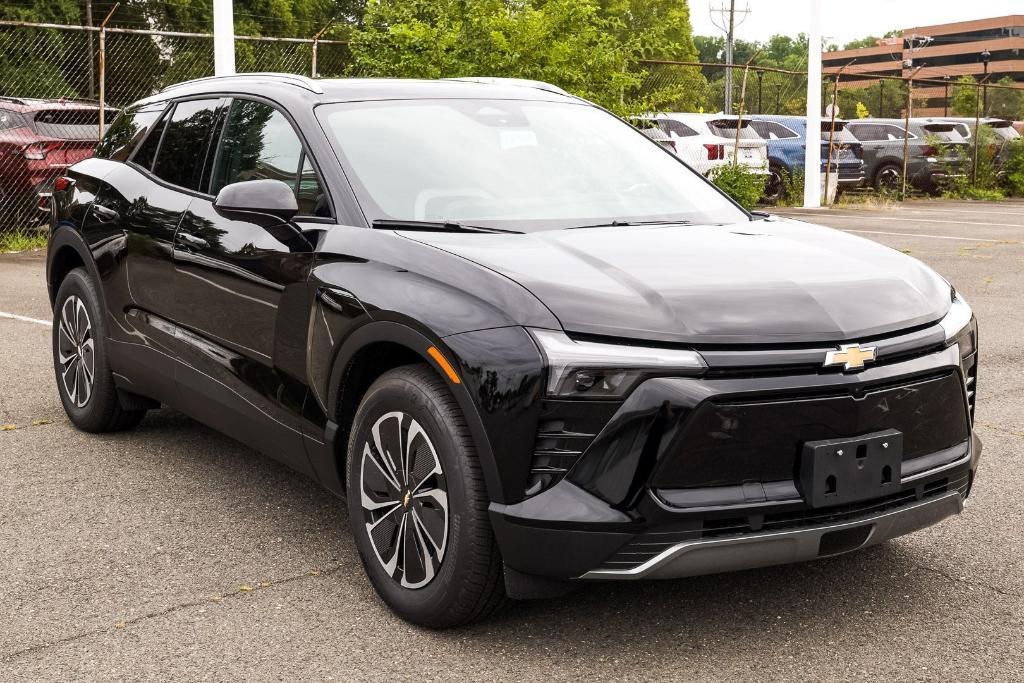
759	282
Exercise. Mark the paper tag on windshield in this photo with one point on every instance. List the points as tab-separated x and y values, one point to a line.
511	139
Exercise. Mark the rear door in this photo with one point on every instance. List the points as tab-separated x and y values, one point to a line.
147	197
238	279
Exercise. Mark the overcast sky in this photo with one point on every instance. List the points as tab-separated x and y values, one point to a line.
845	20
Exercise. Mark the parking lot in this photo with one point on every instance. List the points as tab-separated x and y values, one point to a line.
173	552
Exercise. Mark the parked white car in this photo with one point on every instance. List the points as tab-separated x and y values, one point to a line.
707	141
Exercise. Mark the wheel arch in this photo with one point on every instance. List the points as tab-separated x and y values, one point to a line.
369	352
65	252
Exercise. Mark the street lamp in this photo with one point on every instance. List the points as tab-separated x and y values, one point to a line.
986	57
945	101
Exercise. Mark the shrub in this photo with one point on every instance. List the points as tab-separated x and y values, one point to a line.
1013	180
740	183
976	179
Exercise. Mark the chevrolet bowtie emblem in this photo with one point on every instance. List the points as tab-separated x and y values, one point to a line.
850	356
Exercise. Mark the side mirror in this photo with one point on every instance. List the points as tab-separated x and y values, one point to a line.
269	197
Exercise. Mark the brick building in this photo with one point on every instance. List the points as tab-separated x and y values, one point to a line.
946	51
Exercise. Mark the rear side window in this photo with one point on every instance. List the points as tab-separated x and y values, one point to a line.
676	128
182	150
772	130
127	131
259	143
70	124
726	128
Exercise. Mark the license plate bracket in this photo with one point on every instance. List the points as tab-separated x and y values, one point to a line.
839	471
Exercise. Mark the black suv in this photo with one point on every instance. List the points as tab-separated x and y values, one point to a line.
530	346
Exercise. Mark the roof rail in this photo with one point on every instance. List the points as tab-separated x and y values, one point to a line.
12	100
291	79
521	82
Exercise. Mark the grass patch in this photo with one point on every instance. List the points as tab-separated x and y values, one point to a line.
22	241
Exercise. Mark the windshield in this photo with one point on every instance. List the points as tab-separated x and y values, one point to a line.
511	164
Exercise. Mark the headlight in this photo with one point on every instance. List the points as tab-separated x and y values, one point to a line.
959	326
596	370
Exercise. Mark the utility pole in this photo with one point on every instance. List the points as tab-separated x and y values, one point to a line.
92	54
727	17
223	38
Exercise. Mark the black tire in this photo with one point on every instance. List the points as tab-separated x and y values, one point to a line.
774	185
94	406
466	583
888	177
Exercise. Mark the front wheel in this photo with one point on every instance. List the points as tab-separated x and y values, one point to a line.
417	503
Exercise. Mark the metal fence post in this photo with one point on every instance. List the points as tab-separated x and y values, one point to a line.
103	69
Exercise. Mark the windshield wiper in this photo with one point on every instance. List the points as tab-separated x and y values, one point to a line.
434	226
616	224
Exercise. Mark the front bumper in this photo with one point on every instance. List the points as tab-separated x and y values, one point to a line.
643	500
694	558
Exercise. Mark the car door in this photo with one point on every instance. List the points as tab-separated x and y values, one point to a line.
238	279
139	205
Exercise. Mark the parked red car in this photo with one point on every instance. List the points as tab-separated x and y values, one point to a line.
38	140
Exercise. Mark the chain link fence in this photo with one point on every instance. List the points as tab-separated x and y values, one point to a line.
54	78
60	84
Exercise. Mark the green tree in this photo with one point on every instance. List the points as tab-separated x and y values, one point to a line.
1004	103
964	97
592	48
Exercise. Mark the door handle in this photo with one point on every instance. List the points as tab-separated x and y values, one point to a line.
103	214
192	240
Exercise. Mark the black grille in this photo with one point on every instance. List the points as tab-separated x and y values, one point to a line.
564	431
726	442
651	544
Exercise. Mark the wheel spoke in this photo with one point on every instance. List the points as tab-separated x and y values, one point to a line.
82	325
388	443
379	471
70	378
67	318
89	359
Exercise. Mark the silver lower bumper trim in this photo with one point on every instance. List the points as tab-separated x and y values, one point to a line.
712	556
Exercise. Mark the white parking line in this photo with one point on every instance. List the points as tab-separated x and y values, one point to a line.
902	219
37	321
917	234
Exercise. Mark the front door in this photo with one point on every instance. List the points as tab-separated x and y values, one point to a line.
239	282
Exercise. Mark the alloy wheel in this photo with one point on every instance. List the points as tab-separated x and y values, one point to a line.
404	499
76	351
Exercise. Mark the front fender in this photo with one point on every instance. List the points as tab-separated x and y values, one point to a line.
500	383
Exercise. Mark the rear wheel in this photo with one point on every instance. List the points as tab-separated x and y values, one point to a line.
84	380
774	186
888	177
417	504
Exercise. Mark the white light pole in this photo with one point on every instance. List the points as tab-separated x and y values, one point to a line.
812	158
223	38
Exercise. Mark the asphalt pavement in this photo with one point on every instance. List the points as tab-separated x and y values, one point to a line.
174	553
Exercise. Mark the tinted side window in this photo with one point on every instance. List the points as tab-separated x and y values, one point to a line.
127	130
679	129
147	151
260	143
866	132
184	145
772	130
